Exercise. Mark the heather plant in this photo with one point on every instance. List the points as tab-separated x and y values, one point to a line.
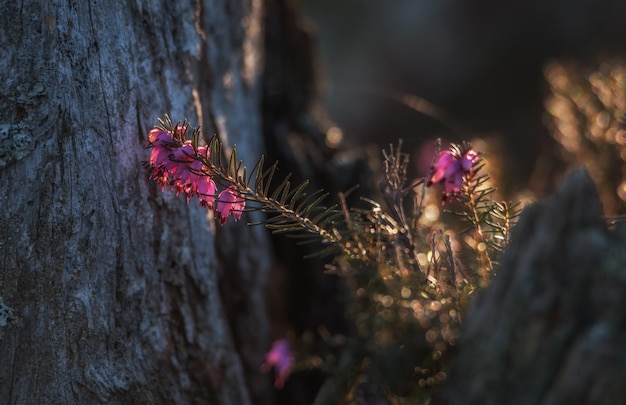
410	261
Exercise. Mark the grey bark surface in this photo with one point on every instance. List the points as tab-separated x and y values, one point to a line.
109	288
550	329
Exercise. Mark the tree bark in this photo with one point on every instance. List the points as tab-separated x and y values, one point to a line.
109	288
550	328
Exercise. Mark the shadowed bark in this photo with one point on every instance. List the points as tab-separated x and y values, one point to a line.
550	328
109	287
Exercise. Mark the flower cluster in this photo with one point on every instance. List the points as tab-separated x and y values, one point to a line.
175	163
281	359
451	168
418	287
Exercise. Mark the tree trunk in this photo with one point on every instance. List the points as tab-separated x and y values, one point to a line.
109	287
550	328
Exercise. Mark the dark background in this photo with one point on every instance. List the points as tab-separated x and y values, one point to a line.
480	61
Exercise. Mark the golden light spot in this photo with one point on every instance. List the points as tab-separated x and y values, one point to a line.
431	335
620	137
435	305
334	135
422	259
387	301
481	247
621	191
603	119
406	292
417	306
431	213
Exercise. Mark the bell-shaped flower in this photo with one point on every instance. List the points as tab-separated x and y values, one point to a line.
158	136
451	169
179	159
230	202
206	189
281	359
469	159
445	159
159	156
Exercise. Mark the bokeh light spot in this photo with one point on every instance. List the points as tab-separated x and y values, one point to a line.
621	191
334	135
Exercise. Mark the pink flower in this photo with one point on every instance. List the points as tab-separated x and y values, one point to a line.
445	159
451	168
157	136
179	159
206	189
175	163
204	151
189	172
229	202
469	160
281	359
159	156
160	141
178	165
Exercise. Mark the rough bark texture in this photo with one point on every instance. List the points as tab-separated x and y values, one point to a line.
109	287
550	329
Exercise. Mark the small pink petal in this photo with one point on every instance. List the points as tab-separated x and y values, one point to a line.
281	359
206	188
469	160
441	166
158	136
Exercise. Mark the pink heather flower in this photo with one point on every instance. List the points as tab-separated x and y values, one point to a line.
196	171
204	151
158	136
206	189
445	159
159	156
188	172
177	168
451	168
229	202
281	359
469	160
179	159
160	140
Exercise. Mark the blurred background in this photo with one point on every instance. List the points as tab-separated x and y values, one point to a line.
482	63
538	86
